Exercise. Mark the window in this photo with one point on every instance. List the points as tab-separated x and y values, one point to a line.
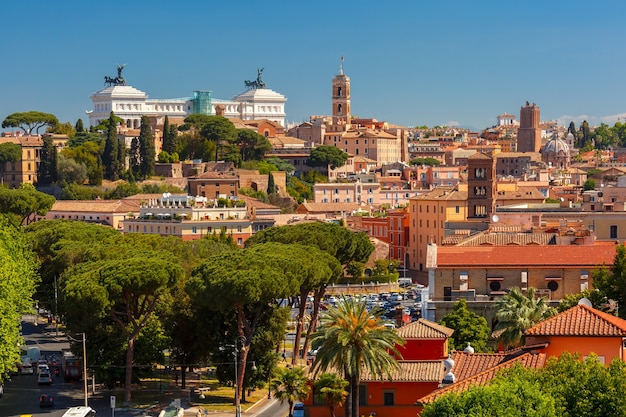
362	395
613	231
389	398
457	209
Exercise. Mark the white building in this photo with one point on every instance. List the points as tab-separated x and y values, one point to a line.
130	104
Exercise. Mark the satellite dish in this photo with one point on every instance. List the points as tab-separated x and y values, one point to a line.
164	195
495	218
585	301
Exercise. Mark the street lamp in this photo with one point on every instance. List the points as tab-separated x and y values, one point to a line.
236	385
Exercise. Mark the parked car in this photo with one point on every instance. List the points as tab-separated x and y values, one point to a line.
46	400
44	378
298	410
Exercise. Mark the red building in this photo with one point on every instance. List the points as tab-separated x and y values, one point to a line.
421	372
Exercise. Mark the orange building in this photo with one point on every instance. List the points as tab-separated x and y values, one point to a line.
583	330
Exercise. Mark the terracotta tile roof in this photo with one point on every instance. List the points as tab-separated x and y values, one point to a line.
327	207
501	239
480	155
412	371
530	255
215	175
424	329
95	206
256	203
443	193
526	359
580	320
467	364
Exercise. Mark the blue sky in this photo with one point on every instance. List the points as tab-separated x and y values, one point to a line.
410	62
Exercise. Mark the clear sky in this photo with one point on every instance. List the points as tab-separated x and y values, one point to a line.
412	62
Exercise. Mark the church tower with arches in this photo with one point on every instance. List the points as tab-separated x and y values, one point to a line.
341	101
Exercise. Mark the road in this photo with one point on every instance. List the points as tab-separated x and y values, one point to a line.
21	393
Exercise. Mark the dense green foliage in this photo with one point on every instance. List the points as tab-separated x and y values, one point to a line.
18	279
425	161
327	156
339	242
598	300
10	152
24	203
565	387
516	312
290	384
109	281
47	172
70	171
589	184
29	121
252	146
612	282
250	281
146	150
109	155
330	389
469	328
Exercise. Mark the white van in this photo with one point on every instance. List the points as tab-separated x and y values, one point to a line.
81	411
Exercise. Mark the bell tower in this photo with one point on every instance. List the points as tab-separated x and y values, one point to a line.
341	101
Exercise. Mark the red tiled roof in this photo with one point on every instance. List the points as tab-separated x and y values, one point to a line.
529	255
467	364
580	320
424	329
95	206
527	359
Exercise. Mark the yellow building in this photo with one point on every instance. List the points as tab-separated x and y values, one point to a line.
24	171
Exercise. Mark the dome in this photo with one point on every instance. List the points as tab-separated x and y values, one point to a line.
448	363
469	348
556	146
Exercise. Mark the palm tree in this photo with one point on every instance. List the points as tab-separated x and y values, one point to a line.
351	339
290	384
517	312
332	389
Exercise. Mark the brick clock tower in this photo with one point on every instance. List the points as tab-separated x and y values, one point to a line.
529	134
341	101
481	186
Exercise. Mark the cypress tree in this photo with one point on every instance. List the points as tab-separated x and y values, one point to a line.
48	162
109	156
79	126
271	186
146	149
168	139
121	158
134	158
